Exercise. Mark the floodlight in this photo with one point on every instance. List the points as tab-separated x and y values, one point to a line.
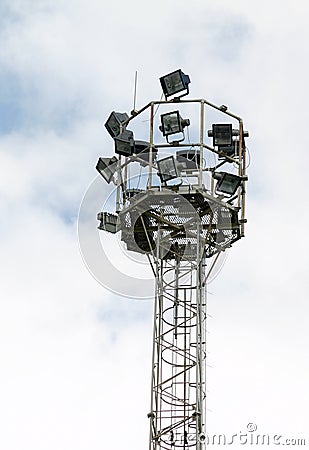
124	143
175	82
114	122
167	168
222	134
172	123
188	159
227	182
141	149
108	222
107	167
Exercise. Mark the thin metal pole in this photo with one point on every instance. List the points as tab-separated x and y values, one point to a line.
118	185
155	349
135	91
151	143
199	340
242	172
201	143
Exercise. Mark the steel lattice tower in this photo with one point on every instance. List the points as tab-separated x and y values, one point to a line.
182	228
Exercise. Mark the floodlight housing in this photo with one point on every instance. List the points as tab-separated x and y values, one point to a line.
175	82
114	123
167	169
108	222
124	143
222	134
107	167
227	183
188	159
172	123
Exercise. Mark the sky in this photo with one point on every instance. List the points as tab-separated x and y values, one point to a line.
75	356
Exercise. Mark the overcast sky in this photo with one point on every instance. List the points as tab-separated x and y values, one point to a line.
74	357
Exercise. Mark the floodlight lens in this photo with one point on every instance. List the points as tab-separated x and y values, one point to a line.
114	125
124	143
228	183
167	169
114	122
175	82
222	134
107	167
171	123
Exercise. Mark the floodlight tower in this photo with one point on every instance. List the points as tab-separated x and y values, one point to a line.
182	219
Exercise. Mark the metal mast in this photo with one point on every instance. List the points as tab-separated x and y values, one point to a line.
179	350
182	219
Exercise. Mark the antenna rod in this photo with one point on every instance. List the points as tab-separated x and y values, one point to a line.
135	90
